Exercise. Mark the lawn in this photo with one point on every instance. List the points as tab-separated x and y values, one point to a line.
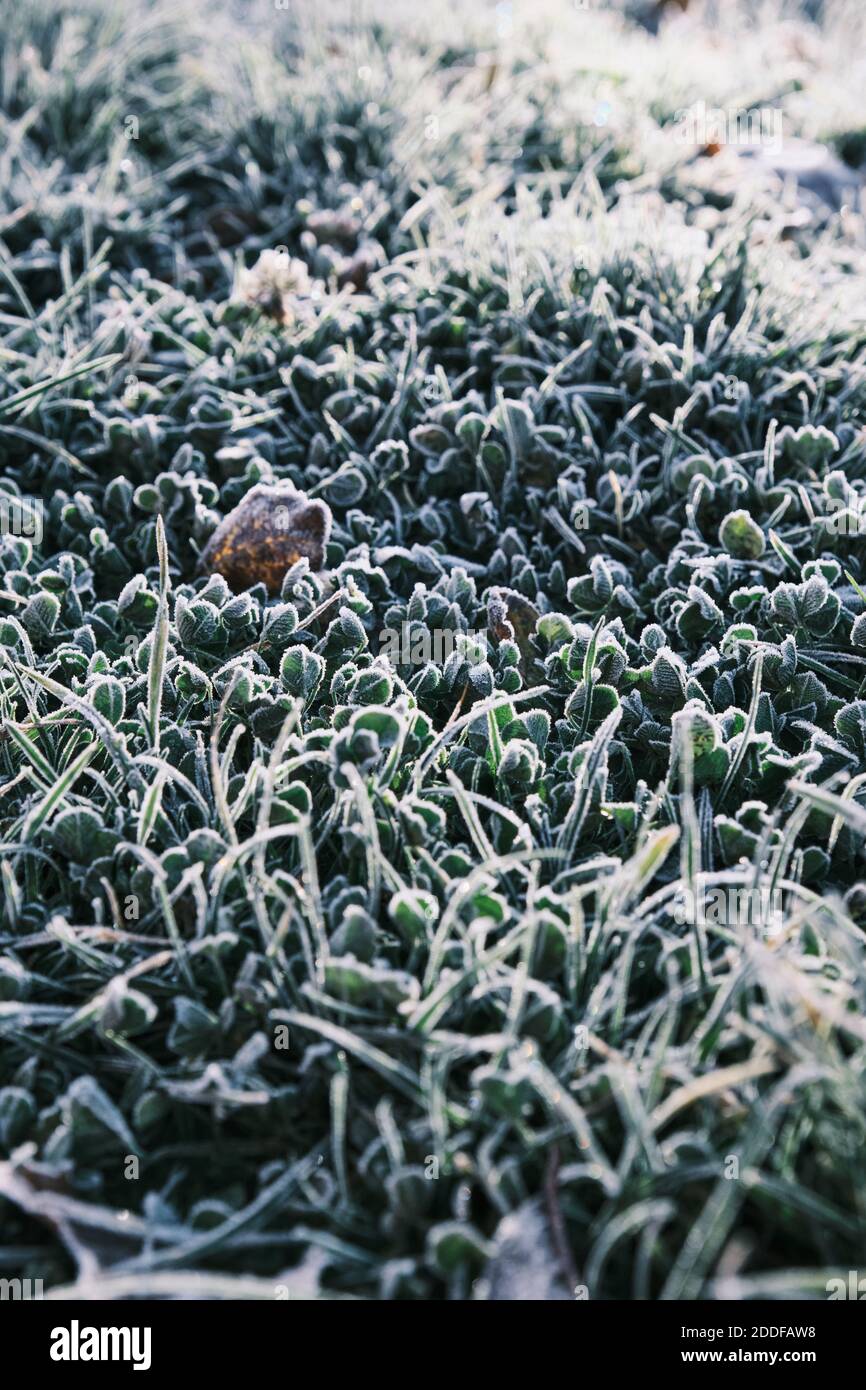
432	649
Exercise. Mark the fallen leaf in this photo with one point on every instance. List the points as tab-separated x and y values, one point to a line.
512	618
266	533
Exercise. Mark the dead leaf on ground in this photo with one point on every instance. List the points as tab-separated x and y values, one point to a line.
266	533
512	618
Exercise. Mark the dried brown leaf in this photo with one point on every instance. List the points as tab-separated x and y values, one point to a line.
512	618
268	532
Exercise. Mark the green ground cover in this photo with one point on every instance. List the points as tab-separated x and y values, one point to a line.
530	966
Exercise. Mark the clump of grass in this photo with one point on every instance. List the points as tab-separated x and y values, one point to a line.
330	971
